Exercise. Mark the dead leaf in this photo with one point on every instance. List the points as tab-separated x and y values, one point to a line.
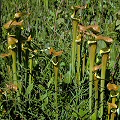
12	23
53	52
112	105
12	40
12	86
112	87
97	67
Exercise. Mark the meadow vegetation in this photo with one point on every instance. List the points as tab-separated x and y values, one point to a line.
60	60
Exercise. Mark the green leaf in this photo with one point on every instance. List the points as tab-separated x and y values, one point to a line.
59	11
118	28
60	20
67	77
62	64
74	114
117	22
93	116
82	112
46	101
41	87
52	13
29	89
50	82
42	97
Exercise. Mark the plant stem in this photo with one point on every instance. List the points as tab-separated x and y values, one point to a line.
84	58
31	68
83	64
75	24
103	73
14	65
108	112
96	95
56	86
19	49
113	114
92	53
30	75
79	46
26	66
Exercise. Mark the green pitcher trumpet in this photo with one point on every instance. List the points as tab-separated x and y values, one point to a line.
75	25
112	109
92	54
96	80
105	54
55	62
113	94
75	22
79	48
12	47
